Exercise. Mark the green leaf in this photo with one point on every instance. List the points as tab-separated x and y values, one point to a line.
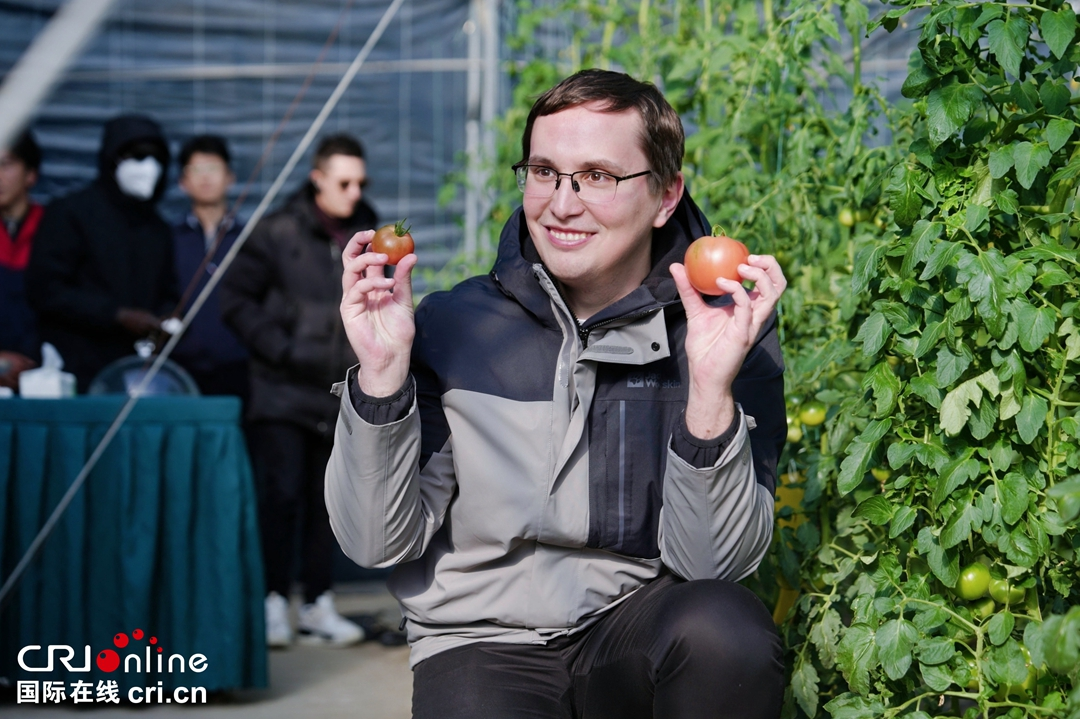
824	636
920	244
1035	325
1055	97
1058	29
950	366
938	678
1029	159
873	333
850	706
1020	548
885	385
919	78
804	685
1007	200
943	563
903	195
902	520
1000	627
855	654
959	527
1061	641
860	451
1007	664
1013	492
1031	418
1001	161
877	510
936	650
975	217
1068	172
1058	132
943	255
866	264
954	408
894	639
1008	40
948	108
930	618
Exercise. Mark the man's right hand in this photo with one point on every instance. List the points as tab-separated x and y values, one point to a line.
378	316
138	322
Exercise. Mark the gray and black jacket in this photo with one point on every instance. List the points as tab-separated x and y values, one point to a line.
534	472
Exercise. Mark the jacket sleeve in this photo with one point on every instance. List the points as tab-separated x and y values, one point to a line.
250	304
53	276
386	500
717	520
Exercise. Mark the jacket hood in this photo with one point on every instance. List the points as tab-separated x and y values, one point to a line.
513	270
116	135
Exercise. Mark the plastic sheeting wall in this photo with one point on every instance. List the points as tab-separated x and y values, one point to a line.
233	67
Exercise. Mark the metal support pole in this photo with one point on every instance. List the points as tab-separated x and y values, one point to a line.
40	67
473	158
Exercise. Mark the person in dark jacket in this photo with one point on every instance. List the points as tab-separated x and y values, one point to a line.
570	461
21	216
101	275
281	296
209	351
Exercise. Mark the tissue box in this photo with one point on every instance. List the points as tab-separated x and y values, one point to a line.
46	383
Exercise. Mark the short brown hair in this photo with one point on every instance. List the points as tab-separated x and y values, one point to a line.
662	138
336	145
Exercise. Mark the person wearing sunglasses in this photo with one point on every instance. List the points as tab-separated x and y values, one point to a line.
281	297
570	461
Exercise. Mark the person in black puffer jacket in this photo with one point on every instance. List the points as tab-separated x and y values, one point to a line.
281	296
101	273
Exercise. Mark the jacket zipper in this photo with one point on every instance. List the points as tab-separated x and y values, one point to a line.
583	333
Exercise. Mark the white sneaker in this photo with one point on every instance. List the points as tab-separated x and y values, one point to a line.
319	623
278	631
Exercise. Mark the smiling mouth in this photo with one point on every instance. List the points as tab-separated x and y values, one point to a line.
568	237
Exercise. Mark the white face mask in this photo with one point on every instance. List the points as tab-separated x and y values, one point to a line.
137	178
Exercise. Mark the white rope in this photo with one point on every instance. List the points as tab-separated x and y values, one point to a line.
137	392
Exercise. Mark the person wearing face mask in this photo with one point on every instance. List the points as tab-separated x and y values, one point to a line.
101	275
281	297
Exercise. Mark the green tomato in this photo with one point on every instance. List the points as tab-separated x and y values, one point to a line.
881	474
1005	593
812	413
973	675
974	582
983	610
1022	690
846	217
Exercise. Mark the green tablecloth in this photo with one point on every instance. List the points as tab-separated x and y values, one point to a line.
163	537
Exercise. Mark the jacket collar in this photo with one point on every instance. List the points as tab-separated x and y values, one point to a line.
518	262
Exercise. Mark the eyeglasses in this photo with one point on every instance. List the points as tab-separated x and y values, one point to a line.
590	185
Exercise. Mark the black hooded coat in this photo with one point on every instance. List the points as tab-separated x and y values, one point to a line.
99	250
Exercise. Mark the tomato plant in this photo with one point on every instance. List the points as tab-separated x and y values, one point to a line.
713	257
394	241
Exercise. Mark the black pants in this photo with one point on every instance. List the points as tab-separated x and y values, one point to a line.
290	463
674	650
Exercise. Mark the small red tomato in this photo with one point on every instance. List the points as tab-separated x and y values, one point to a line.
709	258
394	241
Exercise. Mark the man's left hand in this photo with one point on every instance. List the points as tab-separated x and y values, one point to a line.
719	338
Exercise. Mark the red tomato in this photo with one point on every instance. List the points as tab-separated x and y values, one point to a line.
394	241
709	258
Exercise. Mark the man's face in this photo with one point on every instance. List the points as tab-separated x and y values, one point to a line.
339	184
15	181
206	179
595	245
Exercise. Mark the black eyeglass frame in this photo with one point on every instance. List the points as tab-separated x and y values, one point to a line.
517	167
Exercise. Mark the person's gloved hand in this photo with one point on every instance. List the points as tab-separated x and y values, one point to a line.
138	322
12	365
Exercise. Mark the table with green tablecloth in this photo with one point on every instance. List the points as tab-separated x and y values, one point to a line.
163	538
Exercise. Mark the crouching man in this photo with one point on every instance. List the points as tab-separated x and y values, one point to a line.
571	460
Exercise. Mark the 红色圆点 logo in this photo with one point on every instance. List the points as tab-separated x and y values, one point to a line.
141	655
